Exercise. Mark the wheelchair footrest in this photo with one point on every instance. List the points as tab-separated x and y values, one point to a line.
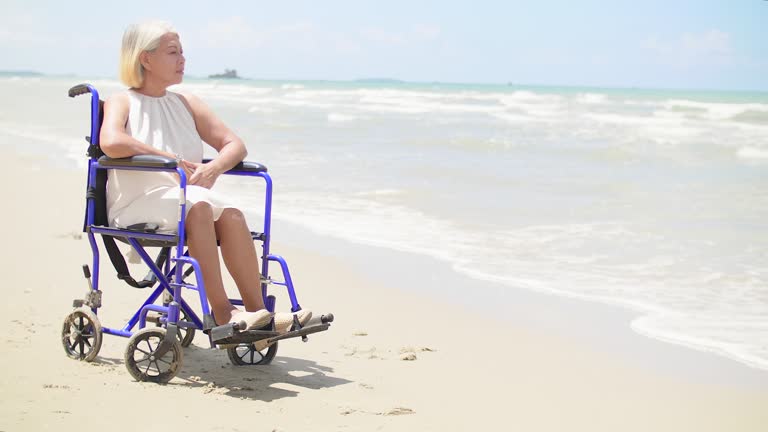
227	334
300	332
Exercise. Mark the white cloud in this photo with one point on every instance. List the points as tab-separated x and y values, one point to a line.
417	34
230	31
712	47
237	32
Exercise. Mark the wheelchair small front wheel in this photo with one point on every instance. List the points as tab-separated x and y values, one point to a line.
81	335
141	361
250	355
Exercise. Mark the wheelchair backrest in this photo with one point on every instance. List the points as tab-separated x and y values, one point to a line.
98	189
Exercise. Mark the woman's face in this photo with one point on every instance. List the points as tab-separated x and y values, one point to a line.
166	62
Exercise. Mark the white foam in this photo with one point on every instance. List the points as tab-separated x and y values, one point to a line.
230	92
591	98
752	153
715	111
525	258
341	118
262	109
678	330
378	192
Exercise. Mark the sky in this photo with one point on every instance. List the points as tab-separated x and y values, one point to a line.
648	44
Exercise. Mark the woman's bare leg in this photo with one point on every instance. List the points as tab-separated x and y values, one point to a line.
201	239
240	257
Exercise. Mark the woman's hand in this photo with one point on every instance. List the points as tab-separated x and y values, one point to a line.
200	174
188	168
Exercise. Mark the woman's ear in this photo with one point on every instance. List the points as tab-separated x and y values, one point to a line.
144	60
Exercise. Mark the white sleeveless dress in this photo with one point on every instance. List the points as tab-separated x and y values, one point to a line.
153	197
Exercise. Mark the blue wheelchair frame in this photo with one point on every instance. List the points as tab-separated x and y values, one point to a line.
170	278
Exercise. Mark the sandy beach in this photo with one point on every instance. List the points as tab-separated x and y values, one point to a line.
550	365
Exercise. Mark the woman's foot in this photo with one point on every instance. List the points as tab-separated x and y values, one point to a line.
253	320
284	320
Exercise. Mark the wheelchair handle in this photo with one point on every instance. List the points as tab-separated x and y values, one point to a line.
79	89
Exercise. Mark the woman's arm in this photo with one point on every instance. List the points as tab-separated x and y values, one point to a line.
216	134
113	139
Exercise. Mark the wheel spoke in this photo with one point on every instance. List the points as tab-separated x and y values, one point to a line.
241	356
161	360
142	360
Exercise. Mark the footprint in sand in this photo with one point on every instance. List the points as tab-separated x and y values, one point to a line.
398	411
361	352
74	235
56	386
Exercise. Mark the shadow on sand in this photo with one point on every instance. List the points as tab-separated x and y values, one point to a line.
211	371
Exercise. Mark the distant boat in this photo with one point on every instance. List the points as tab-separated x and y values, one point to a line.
228	73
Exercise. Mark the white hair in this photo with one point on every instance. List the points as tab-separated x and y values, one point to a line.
137	39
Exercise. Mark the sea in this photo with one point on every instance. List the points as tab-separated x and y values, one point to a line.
651	199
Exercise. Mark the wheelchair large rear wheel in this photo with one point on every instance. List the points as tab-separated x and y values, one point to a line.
81	335
250	355
141	362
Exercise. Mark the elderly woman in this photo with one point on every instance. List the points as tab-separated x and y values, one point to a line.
149	119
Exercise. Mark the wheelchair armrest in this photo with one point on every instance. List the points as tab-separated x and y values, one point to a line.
138	161
244	166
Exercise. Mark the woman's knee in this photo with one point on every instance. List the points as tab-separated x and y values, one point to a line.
199	213
232	215
231	220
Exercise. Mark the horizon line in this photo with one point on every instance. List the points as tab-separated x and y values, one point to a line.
22	73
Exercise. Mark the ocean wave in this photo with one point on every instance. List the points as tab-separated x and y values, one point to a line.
752	153
713	110
341	118
591	98
648	276
52	143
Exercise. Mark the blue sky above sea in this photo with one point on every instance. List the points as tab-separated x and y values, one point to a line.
654	44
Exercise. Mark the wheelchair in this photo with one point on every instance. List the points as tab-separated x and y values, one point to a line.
154	352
